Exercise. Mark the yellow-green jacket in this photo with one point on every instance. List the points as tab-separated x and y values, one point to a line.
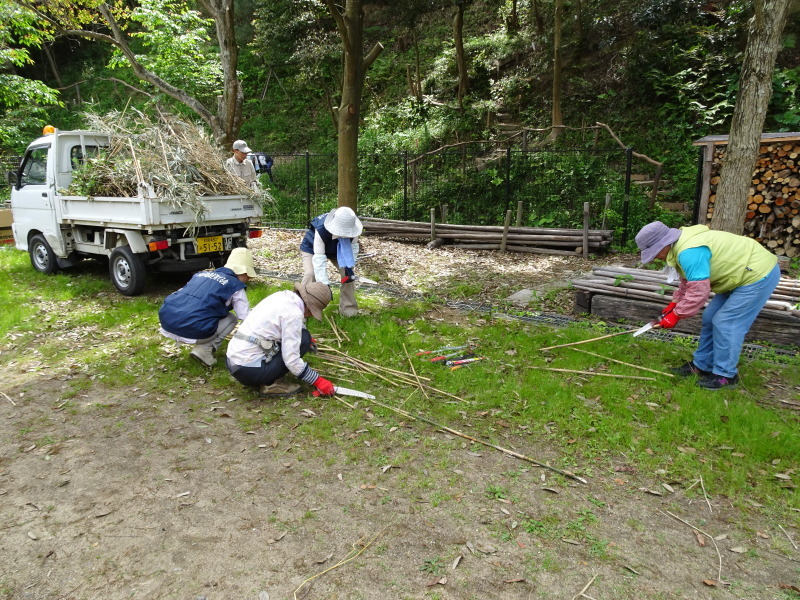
736	260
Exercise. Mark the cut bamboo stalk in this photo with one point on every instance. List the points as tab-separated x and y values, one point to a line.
413	370
622	363
424	419
593	373
602	337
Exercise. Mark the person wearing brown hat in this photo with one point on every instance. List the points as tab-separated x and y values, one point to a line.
273	339
200	312
333	237
239	165
741	273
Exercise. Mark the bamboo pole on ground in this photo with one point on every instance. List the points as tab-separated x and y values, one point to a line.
419	417
602	337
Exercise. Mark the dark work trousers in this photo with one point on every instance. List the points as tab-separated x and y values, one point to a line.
269	370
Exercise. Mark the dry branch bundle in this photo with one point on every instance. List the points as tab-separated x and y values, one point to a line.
168	160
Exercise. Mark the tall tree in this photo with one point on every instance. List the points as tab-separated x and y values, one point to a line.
461	57
557	120
755	90
350	23
113	25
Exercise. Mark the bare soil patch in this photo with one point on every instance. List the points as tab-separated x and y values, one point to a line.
196	492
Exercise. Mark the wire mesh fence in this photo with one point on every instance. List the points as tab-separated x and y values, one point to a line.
473	184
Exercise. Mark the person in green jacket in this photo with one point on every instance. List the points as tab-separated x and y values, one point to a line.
741	273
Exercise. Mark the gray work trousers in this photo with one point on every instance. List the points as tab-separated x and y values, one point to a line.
348	306
224	327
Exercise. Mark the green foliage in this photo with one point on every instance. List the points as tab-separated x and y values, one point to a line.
176	46
23	101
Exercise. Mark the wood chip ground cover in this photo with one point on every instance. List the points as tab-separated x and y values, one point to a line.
203	491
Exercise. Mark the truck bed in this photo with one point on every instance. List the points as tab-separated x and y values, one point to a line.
147	213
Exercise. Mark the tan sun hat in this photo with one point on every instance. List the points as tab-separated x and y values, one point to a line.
316	296
241	261
343	222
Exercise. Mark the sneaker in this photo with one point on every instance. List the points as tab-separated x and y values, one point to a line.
717	382
278	388
204	355
688	370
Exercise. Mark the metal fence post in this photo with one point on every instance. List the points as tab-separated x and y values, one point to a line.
308	187
626	203
698	185
405	185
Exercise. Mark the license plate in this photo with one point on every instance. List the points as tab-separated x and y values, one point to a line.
209	244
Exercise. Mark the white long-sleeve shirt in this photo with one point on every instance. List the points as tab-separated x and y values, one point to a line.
279	318
320	260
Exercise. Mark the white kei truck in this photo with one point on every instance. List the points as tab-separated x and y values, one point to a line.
135	234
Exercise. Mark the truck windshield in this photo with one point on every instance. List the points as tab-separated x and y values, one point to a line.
34	167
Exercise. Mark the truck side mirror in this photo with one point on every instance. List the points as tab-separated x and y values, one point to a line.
13	178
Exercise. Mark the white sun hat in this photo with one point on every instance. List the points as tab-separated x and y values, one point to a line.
343	222
240	261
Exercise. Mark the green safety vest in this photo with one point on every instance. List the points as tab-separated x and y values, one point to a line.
736	260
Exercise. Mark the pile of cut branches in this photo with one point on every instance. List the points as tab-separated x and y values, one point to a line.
170	160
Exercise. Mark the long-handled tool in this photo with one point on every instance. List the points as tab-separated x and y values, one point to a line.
346	392
445	349
442	357
464	361
652	324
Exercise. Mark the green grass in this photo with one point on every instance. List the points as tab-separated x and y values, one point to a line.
667	430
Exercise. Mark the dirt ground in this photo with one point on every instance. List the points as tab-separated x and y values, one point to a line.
195	493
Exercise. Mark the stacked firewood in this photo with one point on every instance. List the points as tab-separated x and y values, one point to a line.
486	237
773	209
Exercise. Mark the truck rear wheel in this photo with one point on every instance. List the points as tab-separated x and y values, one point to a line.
127	271
42	257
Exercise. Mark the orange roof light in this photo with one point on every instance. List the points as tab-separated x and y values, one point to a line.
48	129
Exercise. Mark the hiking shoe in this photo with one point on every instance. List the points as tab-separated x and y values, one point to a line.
278	388
717	382
688	370
204	355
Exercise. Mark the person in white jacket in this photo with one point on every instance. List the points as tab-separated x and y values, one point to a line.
273	339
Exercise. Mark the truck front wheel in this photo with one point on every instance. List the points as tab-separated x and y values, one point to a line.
127	271
42	257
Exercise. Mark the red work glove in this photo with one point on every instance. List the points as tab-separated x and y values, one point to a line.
670	307
669	320
324	386
349	275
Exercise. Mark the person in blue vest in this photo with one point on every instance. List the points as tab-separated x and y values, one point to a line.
200	312
333	237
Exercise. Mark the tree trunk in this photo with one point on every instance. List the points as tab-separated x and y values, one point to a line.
351	28
755	90
537	17
557	121
229	105
461	60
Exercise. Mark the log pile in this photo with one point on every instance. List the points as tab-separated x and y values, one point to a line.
486	237
638	295
773	209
